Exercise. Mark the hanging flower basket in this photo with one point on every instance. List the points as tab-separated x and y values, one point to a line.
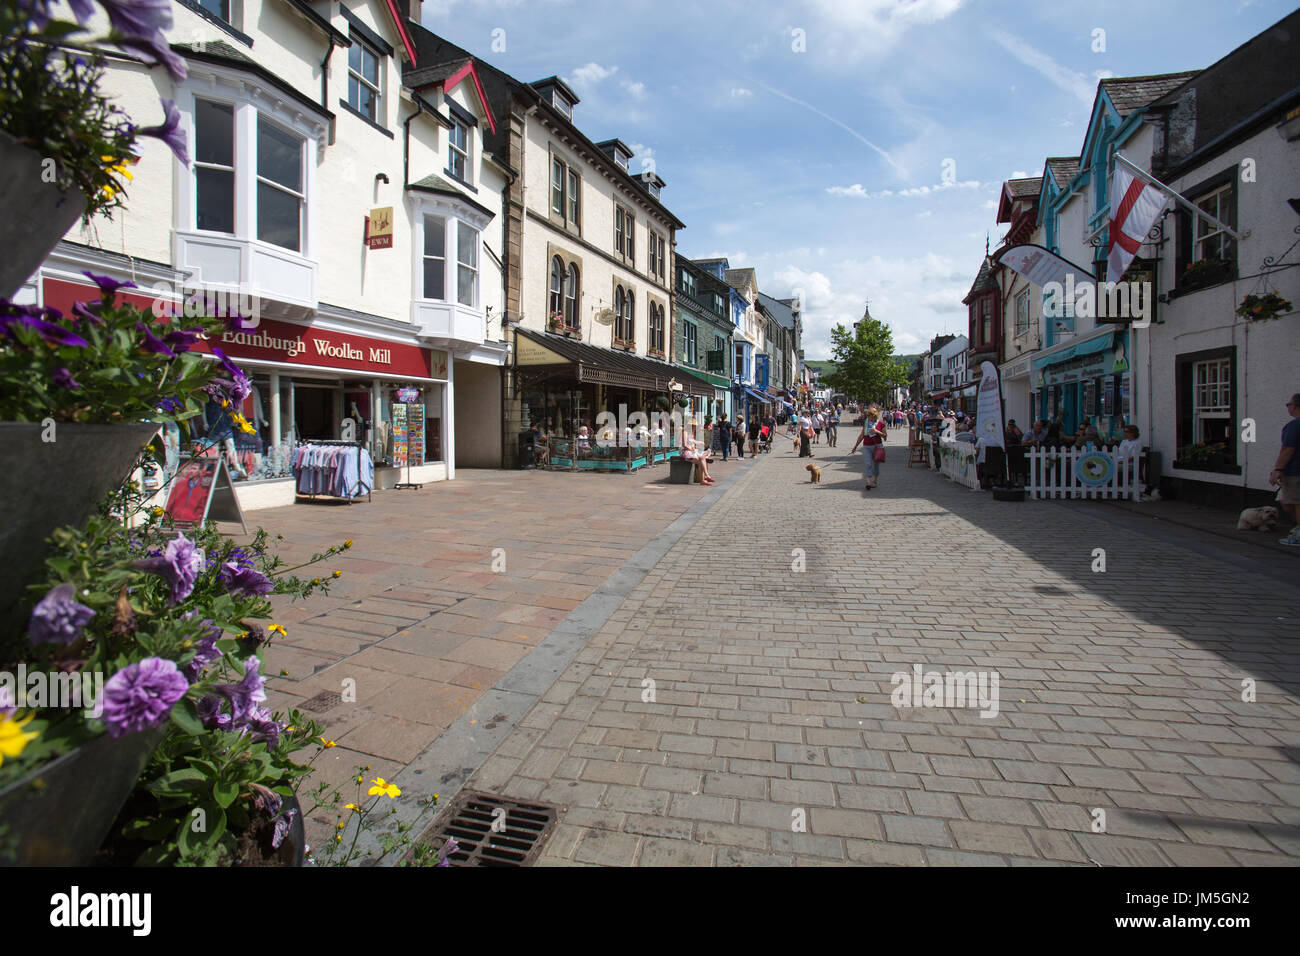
1258	308
61	811
36	213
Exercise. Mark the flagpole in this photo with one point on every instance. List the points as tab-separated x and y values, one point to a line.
1147	177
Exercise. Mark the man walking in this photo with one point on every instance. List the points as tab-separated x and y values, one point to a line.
1286	471
832	426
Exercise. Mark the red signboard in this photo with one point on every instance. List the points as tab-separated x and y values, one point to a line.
285	342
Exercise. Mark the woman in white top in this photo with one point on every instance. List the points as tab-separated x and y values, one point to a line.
1129	452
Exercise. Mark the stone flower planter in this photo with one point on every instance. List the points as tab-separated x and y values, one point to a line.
60	812
34	215
48	484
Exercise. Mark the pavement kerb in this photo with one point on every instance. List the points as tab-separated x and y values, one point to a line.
446	764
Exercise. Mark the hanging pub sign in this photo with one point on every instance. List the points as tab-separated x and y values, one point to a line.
379	228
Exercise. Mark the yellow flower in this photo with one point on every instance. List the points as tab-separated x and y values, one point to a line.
328	743
347	543
338	574
13	739
351	806
157	512
338	838
315	580
277	629
342	825
382	786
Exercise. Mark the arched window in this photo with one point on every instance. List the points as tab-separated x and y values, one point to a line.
620	304
629	320
571	298
557	289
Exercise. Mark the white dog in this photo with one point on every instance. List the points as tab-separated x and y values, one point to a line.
1258	519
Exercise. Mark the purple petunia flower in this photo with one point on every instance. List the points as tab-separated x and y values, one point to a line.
170	131
282	824
63	379
180	563
171	405
448	848
31	316
234	389
210	712
58	618
82	311
106	285
249	691
141	695
182	340
244	580
206	652
264	727
7	703
143	24
152	343
83	10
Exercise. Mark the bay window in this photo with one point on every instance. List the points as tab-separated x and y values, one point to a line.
435	257
466	264
279	186
214	165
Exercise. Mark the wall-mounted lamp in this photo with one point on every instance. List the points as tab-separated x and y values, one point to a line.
381	177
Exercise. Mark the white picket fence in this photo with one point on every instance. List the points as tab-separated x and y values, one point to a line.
1082	473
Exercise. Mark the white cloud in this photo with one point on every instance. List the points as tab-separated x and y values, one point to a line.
740	93
856	191
875	26
1069	80
591	74
637	90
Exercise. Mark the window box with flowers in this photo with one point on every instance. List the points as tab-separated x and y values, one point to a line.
1259	308
626	345
1207	456
1204	273
555	323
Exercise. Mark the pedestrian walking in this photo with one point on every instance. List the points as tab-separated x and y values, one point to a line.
872	441
819	420
805	434
832	427
754	426
738	433
1286	471
723	431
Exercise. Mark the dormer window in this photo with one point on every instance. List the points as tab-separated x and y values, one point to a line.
654	190
621	158
561	104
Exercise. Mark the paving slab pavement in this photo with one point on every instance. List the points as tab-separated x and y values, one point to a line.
446	589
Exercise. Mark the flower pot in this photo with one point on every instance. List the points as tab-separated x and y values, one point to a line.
46	484
60	812
34	214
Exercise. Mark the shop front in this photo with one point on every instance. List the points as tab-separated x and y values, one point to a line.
1088	380
565	386
316	381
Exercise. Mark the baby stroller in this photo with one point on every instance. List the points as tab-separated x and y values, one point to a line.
765	438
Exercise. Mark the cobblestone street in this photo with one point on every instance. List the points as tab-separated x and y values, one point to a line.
1120	691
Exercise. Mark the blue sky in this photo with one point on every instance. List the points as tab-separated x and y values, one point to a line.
808	139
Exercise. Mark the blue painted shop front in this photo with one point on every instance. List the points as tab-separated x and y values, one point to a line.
1088	380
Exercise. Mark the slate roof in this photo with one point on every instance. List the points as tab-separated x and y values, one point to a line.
428	75
740	278
1025	188
779	310
984	280
1062	169
436	184
1129	93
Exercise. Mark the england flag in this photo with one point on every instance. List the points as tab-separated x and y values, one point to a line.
1135	204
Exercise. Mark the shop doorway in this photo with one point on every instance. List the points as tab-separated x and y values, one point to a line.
313	409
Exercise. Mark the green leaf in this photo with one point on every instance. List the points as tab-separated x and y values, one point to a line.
185	715
225	792
178	782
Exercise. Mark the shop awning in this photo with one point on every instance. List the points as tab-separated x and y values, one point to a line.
606	366
1101	343
937	395
759	397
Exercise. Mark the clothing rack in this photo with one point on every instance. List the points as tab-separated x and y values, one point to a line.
354	490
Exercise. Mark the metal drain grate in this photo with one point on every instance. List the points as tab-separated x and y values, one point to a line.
325	700
521	831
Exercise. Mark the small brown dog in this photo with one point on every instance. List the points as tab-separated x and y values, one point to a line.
816	474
